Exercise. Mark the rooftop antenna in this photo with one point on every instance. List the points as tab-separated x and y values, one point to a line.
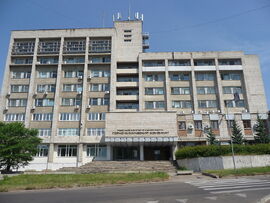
142	17
103	19
119	16
113	18
129	10
137	15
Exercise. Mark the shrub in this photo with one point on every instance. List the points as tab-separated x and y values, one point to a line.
215	150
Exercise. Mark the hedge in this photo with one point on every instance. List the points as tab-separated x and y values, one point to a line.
223	150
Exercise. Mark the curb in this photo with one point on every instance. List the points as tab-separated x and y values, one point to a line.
210	175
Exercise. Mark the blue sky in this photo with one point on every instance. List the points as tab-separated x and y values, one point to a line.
174	25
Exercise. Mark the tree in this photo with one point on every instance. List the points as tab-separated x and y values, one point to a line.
211	137
237	136
18	145
260	132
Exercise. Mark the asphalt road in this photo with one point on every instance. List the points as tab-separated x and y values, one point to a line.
198	189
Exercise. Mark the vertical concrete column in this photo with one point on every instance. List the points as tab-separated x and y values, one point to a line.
84	98
141	90
219	88
174	148
6	81
167	87
30	99
51	153
113	80
57	92
194	87
141	152
79	155
109	152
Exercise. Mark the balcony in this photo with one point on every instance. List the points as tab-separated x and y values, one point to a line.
145	35
23	48
127	105
145	45
47	61
100	60
22	61
100	46
74	46
48	47
75	60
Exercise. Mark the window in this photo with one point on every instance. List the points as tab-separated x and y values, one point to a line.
48	60
207	103
19	88
180	90
154	77
72	60
127	35
99	87
247	124
181	104
127	40
100	46
153	63
154	104
229	62
49	46
214	125
230	76
182	125
154	91
46	88
95	131
127	30
179	62
198	125
71	101
230	123
205	76
67	150
127	92
72	88
74	46
73	74
127	105
70	116
127	79
68	132
232	103
15	117
44	132
20	61
47	74
206	90
42	150
99	59
44	102
232	90
17	102
179	77
42	117
20	75
100	73
204	62
23	47
95	116
99	101
97	150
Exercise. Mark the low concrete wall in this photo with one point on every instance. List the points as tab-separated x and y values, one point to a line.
224	162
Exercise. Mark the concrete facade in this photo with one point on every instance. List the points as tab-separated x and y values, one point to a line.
77	85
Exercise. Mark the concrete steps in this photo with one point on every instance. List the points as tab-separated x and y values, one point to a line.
122	166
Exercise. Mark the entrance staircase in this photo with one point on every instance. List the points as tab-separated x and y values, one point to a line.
123	167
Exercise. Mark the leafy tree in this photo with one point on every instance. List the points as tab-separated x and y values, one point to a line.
18	145
211	137
237	136
260	132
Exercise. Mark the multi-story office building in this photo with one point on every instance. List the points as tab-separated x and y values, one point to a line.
96	93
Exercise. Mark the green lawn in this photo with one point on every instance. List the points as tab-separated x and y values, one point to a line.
46	181
240	172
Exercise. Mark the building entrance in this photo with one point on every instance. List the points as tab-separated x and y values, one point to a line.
126	153
157	153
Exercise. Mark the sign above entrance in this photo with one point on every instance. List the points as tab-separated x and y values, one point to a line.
141	139
138	125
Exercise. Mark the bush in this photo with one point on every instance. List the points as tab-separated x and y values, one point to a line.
216	150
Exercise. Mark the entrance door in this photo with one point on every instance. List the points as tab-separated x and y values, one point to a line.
157	153
126	153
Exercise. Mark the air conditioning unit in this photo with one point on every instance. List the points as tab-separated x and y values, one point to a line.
88	107
80	77
33	108
107	92
218	111
192	111
190	126
89	77
8	94
6	108
38	62
34	94
206	126
45	93
79	92
77	106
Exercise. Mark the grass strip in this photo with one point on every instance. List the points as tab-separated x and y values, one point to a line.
240	172
47	181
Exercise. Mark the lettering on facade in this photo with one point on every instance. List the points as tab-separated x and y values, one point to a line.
140	132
